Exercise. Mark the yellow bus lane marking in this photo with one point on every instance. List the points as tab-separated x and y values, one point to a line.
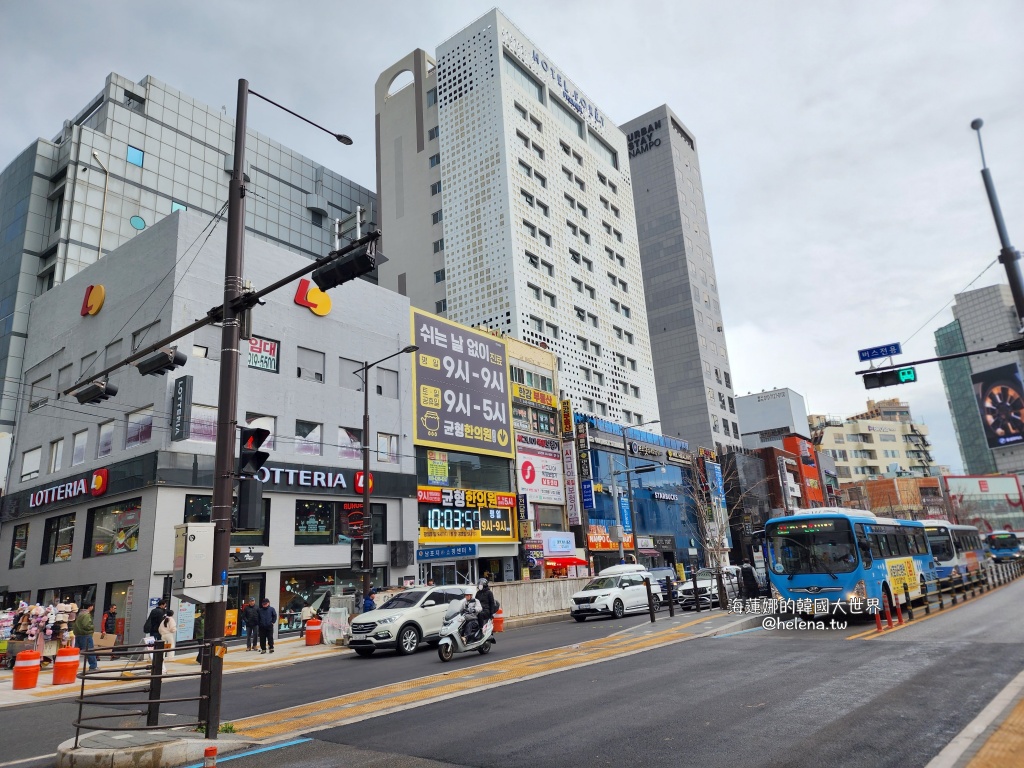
873	634
341	710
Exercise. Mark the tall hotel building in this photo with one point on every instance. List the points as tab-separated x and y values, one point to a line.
506	202
691	362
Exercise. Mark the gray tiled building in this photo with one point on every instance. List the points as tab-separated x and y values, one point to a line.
684	313
983	318
135	153
63	533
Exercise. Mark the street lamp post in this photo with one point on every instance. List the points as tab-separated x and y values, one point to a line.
367	564
227	404
629	488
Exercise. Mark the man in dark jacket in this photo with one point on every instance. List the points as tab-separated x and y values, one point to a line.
268	620
156	617
108	624
751	589
251	619
488	605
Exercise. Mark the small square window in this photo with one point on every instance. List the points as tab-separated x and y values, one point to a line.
441	306
176	206
135	156
439	275
432	133
435	160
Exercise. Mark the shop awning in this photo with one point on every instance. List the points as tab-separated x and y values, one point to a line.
651	552
562	562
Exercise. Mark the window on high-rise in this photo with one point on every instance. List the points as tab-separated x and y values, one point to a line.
435	188
135	156
435	160
433	133
522	78
432	97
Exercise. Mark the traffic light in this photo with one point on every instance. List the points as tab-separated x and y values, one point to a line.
93	393
356	556
890	378
345	268
250	457
250	504
161	362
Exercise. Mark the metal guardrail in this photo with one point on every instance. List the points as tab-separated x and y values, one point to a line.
963	586
151	675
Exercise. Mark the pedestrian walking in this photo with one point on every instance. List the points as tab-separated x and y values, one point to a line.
368	604
267	623
83	629
168	633
251	618
152	627
305	615
108	624
751	588
198	631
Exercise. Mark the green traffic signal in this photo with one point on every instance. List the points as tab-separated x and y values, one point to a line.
890	378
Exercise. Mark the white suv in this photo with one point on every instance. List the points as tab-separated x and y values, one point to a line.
403	622
707	587
614	595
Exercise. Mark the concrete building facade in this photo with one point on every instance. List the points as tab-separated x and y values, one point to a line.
684	312
137	152
97	489
506	203
768	417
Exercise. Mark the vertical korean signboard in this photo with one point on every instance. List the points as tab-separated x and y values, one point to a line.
460	383
181	409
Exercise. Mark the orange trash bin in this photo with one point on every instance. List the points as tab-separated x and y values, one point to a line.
313	632
26	670
65	668
499	620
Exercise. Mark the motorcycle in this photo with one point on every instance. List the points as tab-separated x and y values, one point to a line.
452	640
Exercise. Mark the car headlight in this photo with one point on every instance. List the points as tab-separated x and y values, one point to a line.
388	620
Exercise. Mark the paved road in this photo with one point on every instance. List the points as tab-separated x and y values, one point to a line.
252	693
765	699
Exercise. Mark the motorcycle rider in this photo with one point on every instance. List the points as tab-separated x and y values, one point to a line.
470	608
488	605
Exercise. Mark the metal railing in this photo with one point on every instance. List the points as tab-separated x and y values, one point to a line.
144	663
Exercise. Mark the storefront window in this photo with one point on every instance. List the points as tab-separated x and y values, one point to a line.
466	470
336	522
19	546
79	595
113	529
197	510
58	539
314	588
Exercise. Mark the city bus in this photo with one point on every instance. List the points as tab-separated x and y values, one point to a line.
1005	546
957	548
843	555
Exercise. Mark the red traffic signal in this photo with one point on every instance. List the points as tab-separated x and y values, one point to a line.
250	458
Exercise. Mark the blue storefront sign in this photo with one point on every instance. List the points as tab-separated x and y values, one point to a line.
587	493
446	553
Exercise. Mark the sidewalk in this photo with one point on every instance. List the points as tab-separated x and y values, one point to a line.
291	650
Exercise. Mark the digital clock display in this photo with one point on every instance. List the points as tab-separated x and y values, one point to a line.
443	518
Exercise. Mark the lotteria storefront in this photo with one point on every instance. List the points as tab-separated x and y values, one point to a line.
103	536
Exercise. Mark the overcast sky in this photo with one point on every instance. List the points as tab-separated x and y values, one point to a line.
841	176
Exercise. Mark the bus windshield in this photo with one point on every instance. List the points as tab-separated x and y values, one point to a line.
942	545
1003	541
823	545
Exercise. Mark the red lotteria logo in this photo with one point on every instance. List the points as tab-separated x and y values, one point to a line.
359	482
100	481
311	297
93	301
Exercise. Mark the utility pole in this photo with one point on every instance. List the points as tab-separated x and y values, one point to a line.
1008	255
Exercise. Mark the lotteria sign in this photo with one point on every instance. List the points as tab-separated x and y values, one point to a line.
95	486
309	478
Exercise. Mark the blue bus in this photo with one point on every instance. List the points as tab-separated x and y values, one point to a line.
845	556
1005	546
957	548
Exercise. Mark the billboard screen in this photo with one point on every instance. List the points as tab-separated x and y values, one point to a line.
461	389
1000	396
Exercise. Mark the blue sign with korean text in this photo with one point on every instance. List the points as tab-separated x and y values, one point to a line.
627	521
873	353
587	493
446	553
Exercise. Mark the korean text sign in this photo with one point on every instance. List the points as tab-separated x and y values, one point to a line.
462	395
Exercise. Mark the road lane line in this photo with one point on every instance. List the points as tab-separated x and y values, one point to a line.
952	752
248	753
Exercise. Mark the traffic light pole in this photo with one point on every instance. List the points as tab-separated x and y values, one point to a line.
1004	346
367	563
227	413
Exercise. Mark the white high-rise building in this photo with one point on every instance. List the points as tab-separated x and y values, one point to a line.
506	202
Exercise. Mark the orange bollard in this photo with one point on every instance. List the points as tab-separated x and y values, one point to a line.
313	631
26	670
210	757
65	668
888	613
878	621
499	620
899	612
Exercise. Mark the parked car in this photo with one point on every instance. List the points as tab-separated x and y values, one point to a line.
668	579
615	595
409	618
707	587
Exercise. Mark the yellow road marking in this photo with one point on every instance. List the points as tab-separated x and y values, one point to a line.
384	699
